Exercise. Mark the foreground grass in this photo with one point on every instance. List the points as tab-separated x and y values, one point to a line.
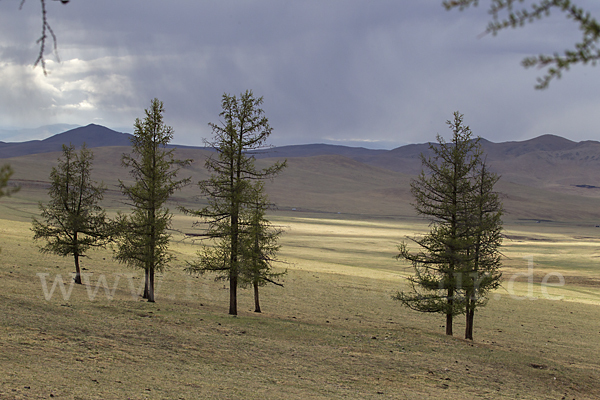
332	332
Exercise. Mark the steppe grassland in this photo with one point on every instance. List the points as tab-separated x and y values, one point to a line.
566	257
332	332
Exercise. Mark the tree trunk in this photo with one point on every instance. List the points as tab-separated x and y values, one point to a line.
449	312
233	266
152	244
233	294
77	270
151	286
469	320
146	284
256	299
233	280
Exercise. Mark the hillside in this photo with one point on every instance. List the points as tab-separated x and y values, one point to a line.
19	135
546	178
326	184
92	135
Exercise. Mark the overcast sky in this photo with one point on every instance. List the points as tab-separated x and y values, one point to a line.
371	73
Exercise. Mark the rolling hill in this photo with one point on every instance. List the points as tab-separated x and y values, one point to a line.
545	178
92	135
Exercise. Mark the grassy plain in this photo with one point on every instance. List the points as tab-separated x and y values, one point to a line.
332	332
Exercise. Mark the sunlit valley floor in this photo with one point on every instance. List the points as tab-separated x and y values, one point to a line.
332	331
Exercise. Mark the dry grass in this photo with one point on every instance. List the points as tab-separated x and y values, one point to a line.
331	184
332	332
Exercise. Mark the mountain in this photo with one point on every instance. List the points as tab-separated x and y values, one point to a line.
17	135
311	150
544	143
402	159
545	178
548	161
92	135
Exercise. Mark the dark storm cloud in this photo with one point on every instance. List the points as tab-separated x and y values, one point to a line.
373	73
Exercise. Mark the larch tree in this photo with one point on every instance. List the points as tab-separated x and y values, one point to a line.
73	220
260	244
144	239
6	172
512	14
445	193
231	188
482	273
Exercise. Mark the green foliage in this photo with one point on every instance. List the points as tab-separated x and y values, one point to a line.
231	188
144	238
585	51
5	173
72	222
482	273
458	261
260	244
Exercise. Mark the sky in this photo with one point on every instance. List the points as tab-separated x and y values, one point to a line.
363	73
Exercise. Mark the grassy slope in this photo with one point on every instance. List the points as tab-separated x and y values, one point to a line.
332	184
332	332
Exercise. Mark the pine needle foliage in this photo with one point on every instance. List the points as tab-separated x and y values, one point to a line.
518	13
231	188
144	239
6	172
73	220
458	260
482	273
260	244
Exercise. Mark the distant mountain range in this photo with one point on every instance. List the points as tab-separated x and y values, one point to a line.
520	161
92	135
544	178
19	135
99	136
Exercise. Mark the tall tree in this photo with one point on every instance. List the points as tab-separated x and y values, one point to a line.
583	52
442	194
260	246
72	221
230	188
145	239
6	172
482	270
